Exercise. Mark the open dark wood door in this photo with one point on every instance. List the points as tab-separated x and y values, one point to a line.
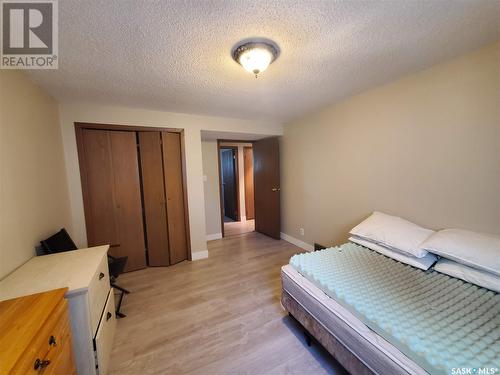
266	168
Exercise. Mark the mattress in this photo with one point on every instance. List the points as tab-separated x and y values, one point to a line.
374	351
437	321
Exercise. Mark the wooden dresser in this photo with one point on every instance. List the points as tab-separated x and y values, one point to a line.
90	299
36	335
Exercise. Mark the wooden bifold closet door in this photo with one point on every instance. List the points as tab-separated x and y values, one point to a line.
172	165
161	165
155	202
133	191
113	208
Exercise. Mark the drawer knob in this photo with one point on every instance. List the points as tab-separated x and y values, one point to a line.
52	340
40	364
108	316
101	275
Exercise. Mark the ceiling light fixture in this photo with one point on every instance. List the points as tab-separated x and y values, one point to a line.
255	55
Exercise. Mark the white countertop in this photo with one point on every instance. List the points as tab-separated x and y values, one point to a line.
71	269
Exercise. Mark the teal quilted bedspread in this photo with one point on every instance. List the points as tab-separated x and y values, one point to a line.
443	324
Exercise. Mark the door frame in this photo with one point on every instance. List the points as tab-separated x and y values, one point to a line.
245	149
221	196
80	126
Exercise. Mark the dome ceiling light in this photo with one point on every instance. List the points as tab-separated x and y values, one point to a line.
255	55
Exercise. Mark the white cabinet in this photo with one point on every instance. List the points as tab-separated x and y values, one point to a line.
90	297
105	334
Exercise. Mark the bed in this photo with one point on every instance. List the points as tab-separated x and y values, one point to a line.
377	315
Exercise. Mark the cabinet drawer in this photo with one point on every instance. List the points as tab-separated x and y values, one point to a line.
60	354
61	357
54	336
98	292
105	334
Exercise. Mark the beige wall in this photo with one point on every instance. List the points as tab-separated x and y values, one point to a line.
192	125
33	188
211	189
426	147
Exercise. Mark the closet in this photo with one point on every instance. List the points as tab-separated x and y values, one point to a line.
133	193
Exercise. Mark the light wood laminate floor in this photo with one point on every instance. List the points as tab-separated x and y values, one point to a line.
236	228
220	315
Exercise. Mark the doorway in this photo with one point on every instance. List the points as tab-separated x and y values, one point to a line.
252	167
236	187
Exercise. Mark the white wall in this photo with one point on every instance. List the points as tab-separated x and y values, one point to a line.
211	190
192	125
34	200
425	147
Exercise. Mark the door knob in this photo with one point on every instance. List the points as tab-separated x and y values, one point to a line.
275	189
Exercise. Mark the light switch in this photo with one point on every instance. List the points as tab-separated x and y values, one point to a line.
205	178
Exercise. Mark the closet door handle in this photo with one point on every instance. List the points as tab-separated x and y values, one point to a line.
101	275
108	316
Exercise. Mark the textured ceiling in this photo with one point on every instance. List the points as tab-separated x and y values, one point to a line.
175	55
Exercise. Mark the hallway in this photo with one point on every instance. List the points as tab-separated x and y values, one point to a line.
236	228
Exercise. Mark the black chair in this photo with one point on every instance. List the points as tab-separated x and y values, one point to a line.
61	241
116	266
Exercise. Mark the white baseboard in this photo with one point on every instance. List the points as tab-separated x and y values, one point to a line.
197	255
215	236
296	242
243	218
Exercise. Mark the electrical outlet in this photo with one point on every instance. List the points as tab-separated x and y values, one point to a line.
301	230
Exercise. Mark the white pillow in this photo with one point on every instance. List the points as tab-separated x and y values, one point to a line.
423	263
477	250
466	273
393	232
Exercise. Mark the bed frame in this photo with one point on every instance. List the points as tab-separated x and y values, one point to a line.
353	351
342	354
